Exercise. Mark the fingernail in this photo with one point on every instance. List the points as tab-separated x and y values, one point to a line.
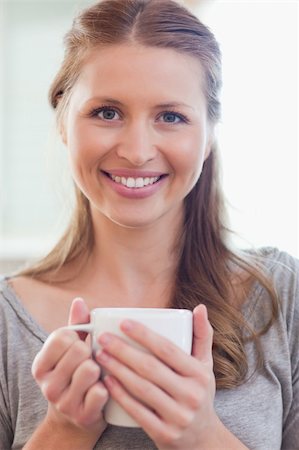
102	356
105	339
204	308
127	325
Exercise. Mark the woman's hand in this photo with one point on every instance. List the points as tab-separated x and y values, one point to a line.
169	393
69	379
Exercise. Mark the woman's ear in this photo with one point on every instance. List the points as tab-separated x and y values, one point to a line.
212	138
63	134
208	149
209	144
62	130
61	118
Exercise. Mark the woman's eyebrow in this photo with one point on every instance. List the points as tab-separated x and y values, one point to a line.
119	103
174	105
105	100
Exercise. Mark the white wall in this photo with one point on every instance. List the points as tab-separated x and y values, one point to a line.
259	131
31	197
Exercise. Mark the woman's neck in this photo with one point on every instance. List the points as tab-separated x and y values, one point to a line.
134	265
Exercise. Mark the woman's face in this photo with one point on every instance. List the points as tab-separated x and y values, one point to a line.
137	132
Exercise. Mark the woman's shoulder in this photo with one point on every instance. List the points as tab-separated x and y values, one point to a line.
8	299
18	330
16	292
282	269
47	305
280	266
24	305
273	257
11	305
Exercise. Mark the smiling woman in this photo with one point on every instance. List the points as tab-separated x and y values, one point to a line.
155	130
137	102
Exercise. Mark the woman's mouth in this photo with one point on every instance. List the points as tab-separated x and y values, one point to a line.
134	182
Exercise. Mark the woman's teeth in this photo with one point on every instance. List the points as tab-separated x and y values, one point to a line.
134	182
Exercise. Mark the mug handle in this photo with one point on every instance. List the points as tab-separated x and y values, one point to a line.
86	327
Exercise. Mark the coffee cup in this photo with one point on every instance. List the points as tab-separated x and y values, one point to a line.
173	324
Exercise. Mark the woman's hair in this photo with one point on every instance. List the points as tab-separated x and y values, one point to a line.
208	268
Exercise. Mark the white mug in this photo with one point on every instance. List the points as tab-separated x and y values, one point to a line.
174	324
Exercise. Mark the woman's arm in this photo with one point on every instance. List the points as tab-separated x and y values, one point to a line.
63	436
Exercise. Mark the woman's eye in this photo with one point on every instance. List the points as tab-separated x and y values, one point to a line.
171	117
106	114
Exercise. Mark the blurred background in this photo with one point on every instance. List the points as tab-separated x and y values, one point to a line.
258	133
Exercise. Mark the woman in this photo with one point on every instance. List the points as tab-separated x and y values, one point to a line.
137	101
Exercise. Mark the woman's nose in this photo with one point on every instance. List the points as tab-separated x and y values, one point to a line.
137	144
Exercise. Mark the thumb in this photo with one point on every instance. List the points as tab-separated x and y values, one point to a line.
79	313
202	335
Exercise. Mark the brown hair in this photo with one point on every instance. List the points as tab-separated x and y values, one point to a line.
207	268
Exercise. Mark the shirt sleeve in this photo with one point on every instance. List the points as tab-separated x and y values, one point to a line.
6	433
5	427
290	437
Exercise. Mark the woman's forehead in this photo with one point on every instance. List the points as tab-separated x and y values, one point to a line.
119	68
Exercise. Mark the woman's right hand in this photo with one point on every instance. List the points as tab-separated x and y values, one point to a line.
69	378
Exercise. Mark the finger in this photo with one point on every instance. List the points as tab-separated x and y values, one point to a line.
72	399
146	418
57	344
179	387
173	356
202	335
146	392
79	313
144	364
60	340
94	401
60	377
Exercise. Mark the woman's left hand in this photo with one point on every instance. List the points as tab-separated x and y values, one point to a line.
168	393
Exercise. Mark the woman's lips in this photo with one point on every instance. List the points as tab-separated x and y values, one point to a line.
135	173
136	185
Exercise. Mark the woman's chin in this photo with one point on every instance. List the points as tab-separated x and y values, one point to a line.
132	223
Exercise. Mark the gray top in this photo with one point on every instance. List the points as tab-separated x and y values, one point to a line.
263	413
